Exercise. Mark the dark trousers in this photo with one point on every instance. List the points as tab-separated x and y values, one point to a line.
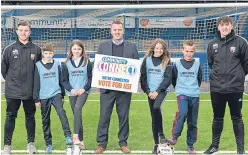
56	101
188	108
77	103
156	114
219	104
107	101
235	105
13	106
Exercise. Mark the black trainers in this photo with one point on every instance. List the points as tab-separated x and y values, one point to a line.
155	149
211	150
242	152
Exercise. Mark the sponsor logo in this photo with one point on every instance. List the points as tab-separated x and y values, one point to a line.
50	22
144	22
187	22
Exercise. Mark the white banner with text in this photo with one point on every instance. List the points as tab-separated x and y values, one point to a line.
103	22
162	22
36	22
116	73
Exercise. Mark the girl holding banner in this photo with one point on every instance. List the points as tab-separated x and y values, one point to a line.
156	72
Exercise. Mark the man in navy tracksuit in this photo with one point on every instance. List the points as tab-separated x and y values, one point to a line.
17	68
186	78
228	59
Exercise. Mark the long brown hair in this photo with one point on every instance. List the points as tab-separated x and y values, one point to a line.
80	44
165	56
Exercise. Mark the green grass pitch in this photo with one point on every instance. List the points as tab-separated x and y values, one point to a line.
140	137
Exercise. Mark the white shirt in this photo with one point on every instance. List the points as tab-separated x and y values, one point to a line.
117	42
77	61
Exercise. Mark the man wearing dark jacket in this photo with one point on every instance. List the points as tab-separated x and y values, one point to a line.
117	46
17	68
228	60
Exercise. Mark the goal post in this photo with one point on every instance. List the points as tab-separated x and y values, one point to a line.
175	23
128	6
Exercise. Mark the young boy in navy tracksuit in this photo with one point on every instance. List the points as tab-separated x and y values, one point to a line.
186	79
47	91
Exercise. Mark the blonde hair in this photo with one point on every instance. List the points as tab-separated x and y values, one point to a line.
80	44
165	56
189	43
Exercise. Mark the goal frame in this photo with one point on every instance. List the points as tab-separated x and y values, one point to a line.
125	6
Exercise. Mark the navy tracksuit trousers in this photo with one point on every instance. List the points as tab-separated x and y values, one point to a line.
188	108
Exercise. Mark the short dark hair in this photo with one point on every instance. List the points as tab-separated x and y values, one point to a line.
224	19
48	47
24	23
116	22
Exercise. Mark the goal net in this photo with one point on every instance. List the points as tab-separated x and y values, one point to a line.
142	26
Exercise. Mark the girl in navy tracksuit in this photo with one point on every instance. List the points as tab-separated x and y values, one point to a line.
77	77
156	71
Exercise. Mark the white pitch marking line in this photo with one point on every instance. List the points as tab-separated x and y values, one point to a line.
119	152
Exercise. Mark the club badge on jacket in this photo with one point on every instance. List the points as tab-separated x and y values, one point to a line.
32	56
233	49
15	53
215	47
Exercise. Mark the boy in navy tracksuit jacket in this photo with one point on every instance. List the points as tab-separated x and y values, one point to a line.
186	79
47	92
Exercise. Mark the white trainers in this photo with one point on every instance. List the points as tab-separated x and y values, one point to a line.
69	150
31	148
76	140
76	150
6	150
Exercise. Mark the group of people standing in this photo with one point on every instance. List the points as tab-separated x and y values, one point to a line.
34	78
